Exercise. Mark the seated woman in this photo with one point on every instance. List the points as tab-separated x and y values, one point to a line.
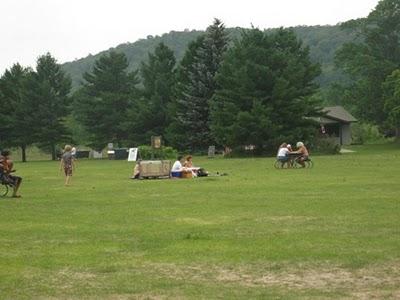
7	166
188	164
136	170
177	168
283	154
303	151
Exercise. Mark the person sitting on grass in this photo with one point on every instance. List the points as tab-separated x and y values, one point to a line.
67	163
178	168
188	164
7	166
136	170
303	151
283	154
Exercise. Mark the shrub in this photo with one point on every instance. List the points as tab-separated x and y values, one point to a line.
147	152
364	133
325	145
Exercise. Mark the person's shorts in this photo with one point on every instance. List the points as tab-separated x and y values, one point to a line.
283	158
14	180
68	171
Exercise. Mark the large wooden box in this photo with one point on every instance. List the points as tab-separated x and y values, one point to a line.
154	168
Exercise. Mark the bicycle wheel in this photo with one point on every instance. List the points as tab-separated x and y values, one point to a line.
3	190
278	165
309	164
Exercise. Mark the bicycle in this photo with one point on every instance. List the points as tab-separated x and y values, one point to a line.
281	164
4	186
308	163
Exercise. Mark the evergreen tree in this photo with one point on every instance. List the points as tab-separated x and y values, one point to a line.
19	112
103	104
264	91
196	77
4	122
150	115
48	88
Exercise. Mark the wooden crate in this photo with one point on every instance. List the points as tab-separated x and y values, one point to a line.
154	168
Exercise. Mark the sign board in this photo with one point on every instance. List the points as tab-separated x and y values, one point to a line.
156	142
211	151
97	154
133	152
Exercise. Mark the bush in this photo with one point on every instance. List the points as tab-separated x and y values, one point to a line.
147	152
364	133
325	145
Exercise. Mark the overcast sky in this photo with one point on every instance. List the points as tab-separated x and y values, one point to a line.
71	29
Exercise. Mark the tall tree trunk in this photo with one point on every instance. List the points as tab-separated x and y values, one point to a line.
23	153
53	152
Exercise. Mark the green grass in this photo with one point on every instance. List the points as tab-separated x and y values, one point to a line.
329	232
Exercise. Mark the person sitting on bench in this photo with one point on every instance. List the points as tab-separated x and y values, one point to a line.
7	168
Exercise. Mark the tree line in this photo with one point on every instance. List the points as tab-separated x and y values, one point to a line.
256	89
255	92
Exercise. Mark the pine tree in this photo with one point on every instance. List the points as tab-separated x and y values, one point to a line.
19	112
104	102
150	115
196	86
48	88
264	89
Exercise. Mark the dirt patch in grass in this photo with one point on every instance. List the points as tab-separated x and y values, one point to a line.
194	221
372	282
279	219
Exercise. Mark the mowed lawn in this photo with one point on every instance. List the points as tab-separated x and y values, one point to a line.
328	232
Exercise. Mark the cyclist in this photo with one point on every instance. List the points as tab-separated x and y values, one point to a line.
302	150
283	154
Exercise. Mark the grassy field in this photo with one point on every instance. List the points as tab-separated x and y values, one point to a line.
259	233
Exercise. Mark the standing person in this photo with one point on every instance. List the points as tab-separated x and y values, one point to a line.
7	166
67	163
73	152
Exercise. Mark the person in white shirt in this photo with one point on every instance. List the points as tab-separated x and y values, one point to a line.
177	166
73	152
283	154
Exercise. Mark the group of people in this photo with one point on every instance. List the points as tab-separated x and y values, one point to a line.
286	154
184	165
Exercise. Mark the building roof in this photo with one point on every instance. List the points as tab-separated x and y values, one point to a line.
338	113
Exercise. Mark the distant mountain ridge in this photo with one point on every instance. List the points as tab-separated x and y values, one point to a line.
322	40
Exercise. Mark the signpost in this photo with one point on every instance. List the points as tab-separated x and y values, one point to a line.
156	143
132	154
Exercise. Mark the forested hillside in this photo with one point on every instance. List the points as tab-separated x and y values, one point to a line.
322	40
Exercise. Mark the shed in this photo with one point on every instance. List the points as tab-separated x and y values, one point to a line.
336	123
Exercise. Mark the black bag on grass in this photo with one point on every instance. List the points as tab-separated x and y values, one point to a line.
202	172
